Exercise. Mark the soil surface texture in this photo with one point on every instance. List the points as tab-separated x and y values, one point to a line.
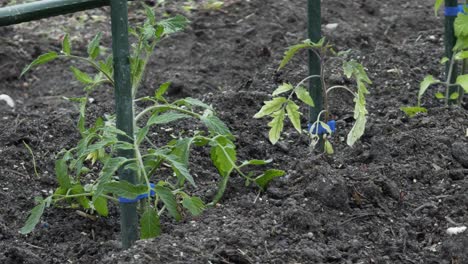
388	199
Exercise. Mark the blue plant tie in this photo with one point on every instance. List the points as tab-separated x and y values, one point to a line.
139	197
321	129
452	11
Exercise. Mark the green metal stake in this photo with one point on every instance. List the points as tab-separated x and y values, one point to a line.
315	85
42	9
450	41
124	111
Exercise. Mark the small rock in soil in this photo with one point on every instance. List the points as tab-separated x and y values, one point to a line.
460	153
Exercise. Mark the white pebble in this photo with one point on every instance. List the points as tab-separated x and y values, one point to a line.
7	99
331	26
456	230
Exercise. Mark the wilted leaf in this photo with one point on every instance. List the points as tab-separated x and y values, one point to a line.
194	204
294	115
44	58
165	118
276	125
169	201
150	226
304	96
462	80
263	180
283	88
413	110
34	218
270	107
174	24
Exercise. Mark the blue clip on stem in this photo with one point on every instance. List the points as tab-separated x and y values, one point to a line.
139	197
452	11
321	129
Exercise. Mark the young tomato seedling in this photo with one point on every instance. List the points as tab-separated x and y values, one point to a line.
281	106
87	172
460	56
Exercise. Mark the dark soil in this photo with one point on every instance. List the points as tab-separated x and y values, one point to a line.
389	199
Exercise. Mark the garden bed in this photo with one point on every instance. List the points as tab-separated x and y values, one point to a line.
389	199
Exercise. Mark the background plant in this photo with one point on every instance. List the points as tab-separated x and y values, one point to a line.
86	173
281	106
459	57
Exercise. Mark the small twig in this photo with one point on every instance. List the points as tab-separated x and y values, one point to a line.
85	215
33	246
33	158
450	220
429	204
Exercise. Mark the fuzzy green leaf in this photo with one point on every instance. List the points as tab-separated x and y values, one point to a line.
44	58
291	51
357	131
150	226
223	155
34	218
182	150
444	60
82	77
276	125
162	90
283	88
66	45
215	125
428	81
462	80
454	96
263	180
411	111
437	5
141	134
294	115
180	169
61	171
255	162
125	189
270	107
304	96
109	169
194	204
328	148
461	25
195	102
174	24
165	118
169	201
100	205
93	46
439	95
82	200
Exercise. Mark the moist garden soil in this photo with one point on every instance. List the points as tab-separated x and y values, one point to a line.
388	199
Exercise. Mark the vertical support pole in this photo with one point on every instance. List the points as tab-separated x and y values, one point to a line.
450	40
124	111
314	33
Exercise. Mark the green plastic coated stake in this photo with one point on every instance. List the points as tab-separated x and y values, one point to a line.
450	41
42	9
314	32
124	111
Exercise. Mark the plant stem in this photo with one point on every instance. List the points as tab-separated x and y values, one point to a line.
449	81
341	87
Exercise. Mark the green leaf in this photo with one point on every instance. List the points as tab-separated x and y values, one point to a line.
174	24
276	125
289	54
215	125
34	218
439	95
165	118
81	76
93	46
461	55
283	88
357	131
462	80
304	96
255	162
454	96
353	68
411	111
141	134
61	171
428	81
182	150
109	169
196	102
66	45
294	115
461	25
194	204
82	200
169	201
437	5
125	189
44	58
263	180
162	90
328	148
150	226
270	107
150	15
223	155
180	169
444	60
100	205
